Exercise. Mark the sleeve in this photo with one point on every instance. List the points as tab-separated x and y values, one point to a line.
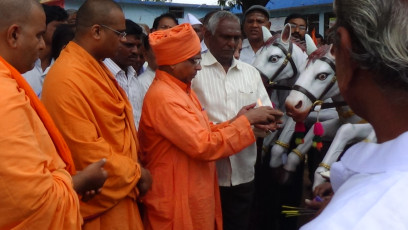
77	122
200	141
35	188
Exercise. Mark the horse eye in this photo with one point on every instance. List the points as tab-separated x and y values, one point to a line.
322	76
274	58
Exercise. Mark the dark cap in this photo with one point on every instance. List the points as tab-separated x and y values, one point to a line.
260	8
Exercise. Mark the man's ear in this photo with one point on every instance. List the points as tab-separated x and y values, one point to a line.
343	55
96	31
268	25
207	35
13	34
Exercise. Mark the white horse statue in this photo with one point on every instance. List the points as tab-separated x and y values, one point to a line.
316	84
280	62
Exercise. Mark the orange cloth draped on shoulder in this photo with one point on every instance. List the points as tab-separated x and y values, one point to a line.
36	189
95	118
45	117
179	147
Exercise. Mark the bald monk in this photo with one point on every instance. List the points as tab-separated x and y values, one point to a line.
95	116
37	189
180	145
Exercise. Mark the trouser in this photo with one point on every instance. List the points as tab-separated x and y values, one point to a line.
236	202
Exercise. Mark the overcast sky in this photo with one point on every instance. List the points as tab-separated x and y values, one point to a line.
208	2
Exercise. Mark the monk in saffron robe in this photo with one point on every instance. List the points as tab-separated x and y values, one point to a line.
95	116
37	189
180	145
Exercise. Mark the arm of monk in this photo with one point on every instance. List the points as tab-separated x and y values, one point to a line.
36	190
198	141
77	123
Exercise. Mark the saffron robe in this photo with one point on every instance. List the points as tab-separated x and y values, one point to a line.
36	190
179	147
95	118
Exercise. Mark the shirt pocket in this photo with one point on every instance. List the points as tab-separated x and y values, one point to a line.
247	95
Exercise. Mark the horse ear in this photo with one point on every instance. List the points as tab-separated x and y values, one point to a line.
310	45
286	33
266	33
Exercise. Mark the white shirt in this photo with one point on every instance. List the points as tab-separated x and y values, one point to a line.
247	53
223	95
131	84
35	77
204	48
370	184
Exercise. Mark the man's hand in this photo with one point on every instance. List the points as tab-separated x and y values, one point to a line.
145	181
264	115
89	181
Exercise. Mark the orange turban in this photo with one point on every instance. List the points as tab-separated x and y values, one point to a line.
174	45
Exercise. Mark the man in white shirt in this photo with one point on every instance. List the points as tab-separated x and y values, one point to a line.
223	86
371	179
55	16
125	74
255	17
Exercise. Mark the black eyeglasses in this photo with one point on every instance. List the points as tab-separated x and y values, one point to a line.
195	61
294	26
120	34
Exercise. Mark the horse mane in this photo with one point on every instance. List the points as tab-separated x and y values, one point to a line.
319	53
277	36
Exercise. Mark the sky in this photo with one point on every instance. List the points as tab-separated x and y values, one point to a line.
208	2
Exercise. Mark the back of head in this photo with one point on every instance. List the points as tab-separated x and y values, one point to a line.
379	38
54	13
95	12
165	15
217	17
62	35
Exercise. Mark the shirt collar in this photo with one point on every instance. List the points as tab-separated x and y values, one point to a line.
115	69
245	43
208	59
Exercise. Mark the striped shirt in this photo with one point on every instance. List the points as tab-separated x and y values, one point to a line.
131	84
223	95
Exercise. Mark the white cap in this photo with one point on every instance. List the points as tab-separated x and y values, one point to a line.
192	20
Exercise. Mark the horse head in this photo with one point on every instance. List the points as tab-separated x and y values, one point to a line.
314	85
280	58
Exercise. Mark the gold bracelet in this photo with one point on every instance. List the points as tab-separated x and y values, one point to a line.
280	143
297	152
324	165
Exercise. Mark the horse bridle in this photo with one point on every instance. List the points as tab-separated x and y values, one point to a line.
318	101
288	58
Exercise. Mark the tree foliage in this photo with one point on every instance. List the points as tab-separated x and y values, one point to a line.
242	4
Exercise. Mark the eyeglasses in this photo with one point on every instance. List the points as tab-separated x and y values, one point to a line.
195	61
120	34
294	26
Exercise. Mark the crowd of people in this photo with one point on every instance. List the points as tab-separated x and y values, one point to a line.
110	124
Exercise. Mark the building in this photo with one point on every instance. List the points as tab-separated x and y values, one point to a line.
147	11
319	13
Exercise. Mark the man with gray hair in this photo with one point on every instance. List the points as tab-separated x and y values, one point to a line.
224	85
370	180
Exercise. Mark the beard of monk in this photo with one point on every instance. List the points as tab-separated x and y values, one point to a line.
22	24
99	24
